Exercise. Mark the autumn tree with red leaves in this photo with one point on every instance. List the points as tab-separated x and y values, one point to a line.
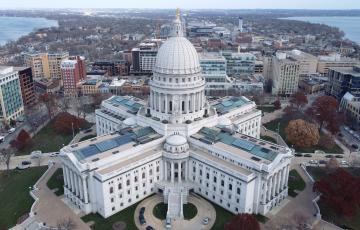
298	100
23	140
339	192
277	104
324	110
65	123
243	221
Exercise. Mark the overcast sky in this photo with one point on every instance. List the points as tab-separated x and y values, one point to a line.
188	4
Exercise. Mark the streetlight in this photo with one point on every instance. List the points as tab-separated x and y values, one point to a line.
72	127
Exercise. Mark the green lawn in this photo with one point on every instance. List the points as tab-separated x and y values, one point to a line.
126	215
47	140
190	211
267	109
295	183
267	138
160	210
14	193
222	217
282	124
87	137
56	182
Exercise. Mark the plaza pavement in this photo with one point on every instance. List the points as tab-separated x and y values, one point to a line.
204	209
50	209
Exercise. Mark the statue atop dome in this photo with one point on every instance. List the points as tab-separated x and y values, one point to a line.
176	28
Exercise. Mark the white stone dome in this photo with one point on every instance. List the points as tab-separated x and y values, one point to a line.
176	140
177	56
224	122
131	121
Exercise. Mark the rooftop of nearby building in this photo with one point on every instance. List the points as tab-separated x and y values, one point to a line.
99	147
246	146
131	104
6	70
211	56
225	105
354	71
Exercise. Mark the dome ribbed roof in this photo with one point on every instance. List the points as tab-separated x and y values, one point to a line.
176	140
177	56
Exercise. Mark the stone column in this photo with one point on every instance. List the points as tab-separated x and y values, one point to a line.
179	172
265	192
72	181
76	180
65	175
268	196
166	104
187	103
186	170
81	192
278	182
287	175
273	186
86	200
165	170
193	102
172	172
159	102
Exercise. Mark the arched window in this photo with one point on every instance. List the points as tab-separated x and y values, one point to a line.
111	190
143	175
128	182
238	191
119	186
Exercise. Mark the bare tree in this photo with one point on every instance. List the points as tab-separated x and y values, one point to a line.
5	157
66	224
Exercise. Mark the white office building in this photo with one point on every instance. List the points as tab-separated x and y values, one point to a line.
177	143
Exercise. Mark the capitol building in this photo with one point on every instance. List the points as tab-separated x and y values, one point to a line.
176	144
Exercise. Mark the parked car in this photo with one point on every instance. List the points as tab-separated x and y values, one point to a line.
142	210
314	162
24	165
142	219
168	223
307	155
344	162
322	162
355	146
205	221
11	130
87	130
150	228
2	138
329	156
55	154
339	156
35	154
298	154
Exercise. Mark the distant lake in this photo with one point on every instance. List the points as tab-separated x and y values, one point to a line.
12	28
350	25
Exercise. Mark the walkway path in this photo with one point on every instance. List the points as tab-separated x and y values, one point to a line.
204	209
50	209
301	204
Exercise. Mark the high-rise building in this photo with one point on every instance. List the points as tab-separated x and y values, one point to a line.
333	61
27	85
45	65
70	76
176	144
144	56
82	65
343	80
11	101
240	64
285	75
308	63
241	21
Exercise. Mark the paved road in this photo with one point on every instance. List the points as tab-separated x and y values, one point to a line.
16	160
